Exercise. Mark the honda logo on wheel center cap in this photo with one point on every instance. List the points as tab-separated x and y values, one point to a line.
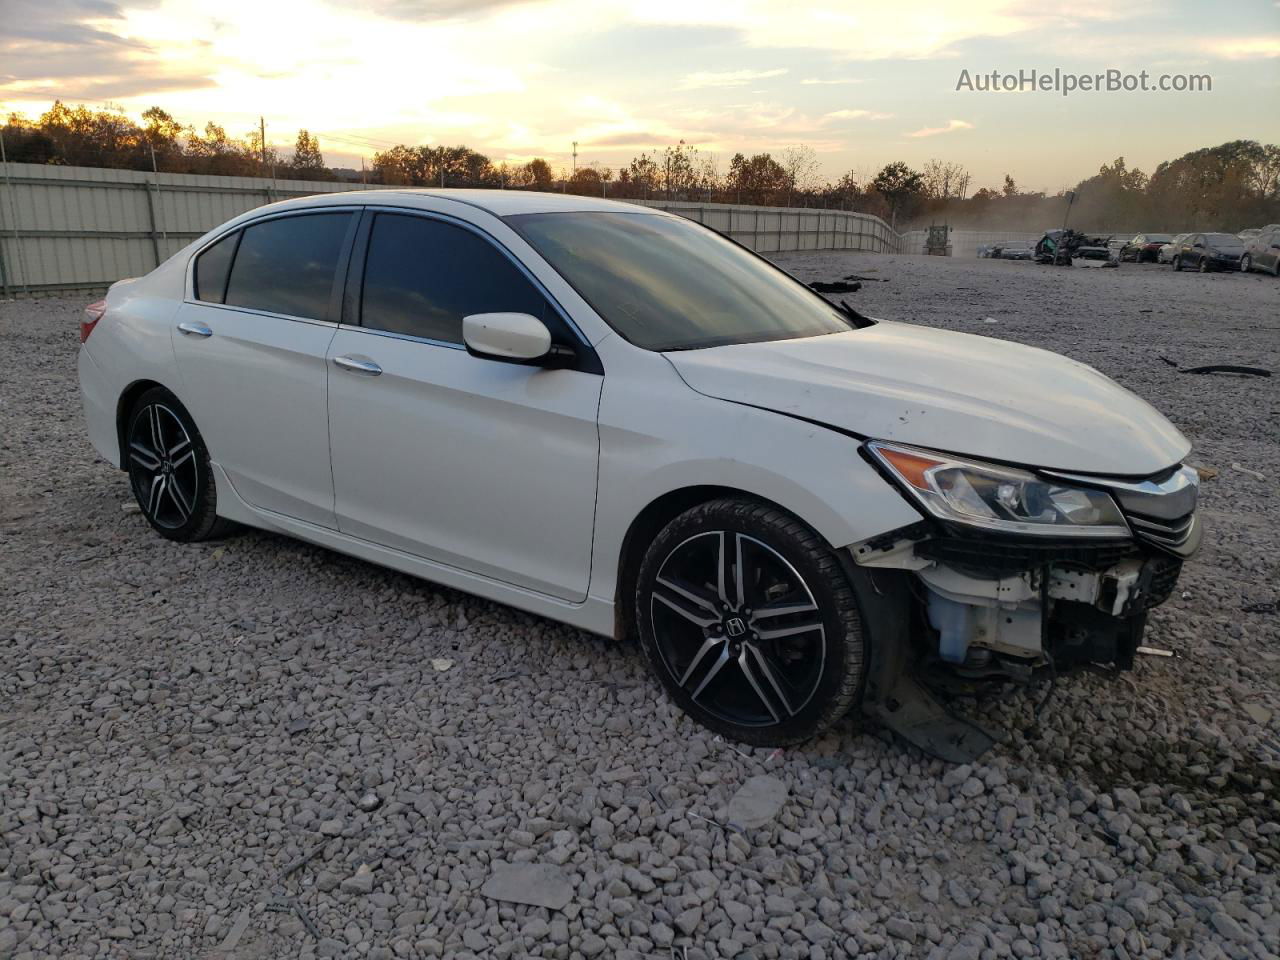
734	627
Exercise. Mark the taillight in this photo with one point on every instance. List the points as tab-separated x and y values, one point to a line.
92	314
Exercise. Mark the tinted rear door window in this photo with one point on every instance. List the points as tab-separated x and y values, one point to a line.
212	268
423	276
287	265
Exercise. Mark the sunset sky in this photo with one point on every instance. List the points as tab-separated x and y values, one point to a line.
861	83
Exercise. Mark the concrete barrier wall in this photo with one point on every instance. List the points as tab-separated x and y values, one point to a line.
68	230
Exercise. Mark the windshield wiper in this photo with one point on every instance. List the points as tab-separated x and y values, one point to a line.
859	320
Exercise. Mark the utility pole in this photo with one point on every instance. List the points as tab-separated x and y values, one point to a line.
262	142
575	157
155	178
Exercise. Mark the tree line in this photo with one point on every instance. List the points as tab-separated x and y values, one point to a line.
1226	187
86	137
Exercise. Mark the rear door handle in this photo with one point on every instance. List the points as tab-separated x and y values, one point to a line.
358	365
194	328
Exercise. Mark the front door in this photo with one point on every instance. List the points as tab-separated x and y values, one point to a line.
485	466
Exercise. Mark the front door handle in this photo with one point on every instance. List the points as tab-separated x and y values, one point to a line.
194	328
358	365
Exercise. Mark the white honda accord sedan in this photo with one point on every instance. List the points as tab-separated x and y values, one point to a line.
619	419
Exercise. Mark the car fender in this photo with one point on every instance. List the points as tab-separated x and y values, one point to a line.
131	344
658	436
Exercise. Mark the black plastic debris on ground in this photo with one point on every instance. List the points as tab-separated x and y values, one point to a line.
1220	368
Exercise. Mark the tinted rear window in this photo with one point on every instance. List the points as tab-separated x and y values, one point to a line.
287	265
423	276
212	268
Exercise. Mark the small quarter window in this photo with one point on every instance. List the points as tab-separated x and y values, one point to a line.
212	268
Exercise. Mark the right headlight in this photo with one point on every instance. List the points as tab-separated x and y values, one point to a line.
998	498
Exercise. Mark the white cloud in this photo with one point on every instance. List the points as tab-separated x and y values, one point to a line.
818	81
857	115
856	32
726	78
951	127
1245	48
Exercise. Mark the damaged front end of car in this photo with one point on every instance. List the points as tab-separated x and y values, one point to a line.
1012	575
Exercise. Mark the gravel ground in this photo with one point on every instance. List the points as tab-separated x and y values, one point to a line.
182	727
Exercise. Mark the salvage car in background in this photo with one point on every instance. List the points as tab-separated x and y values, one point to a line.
616	418
1263	252
1208	252
1015	250
1167	250
1144	248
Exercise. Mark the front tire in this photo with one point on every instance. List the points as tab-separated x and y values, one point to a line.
169	469
1204	265
1245	264
750	623
1177	264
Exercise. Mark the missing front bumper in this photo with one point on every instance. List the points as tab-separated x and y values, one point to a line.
991	607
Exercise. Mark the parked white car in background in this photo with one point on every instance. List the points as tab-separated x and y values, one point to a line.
616	418
1166	252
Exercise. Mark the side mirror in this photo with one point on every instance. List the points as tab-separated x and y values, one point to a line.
513	337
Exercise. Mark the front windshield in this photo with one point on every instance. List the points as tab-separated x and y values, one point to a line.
1223	239
1157	238
665	283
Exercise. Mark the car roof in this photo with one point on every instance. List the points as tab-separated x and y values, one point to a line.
500	203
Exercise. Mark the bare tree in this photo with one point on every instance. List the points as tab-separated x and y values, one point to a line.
945	181
801	164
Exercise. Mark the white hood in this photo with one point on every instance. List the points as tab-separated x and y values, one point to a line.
955	392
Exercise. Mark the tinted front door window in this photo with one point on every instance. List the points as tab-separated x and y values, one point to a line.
423	276
287	265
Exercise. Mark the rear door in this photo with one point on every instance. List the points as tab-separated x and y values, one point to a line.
486	466
251	341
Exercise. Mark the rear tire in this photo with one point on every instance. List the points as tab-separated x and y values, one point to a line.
748	620
169	469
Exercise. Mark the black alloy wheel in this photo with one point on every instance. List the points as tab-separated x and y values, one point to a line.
169	469
749	621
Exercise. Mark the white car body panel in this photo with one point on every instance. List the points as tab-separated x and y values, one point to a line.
483	465
131	343
657	436
260	386
975	396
